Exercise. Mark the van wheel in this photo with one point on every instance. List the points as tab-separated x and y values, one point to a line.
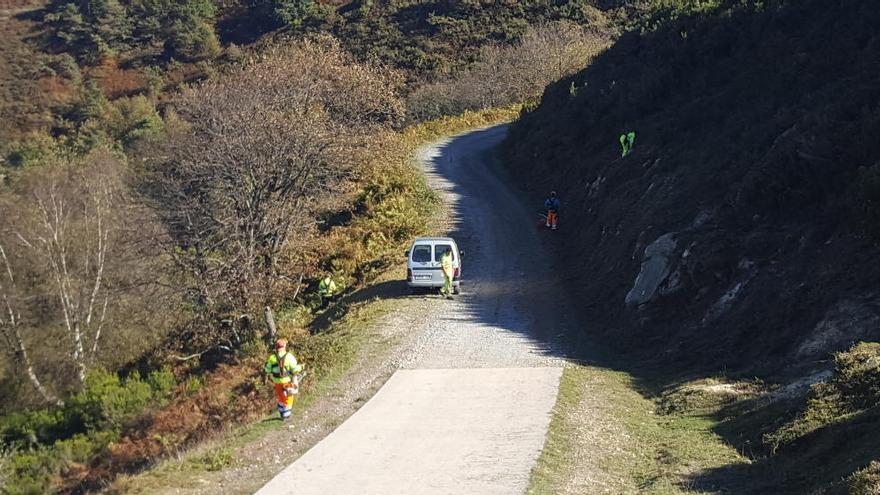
456	289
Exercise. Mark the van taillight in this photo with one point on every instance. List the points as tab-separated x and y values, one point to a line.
409	274
456	273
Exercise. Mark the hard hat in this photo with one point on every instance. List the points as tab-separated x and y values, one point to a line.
281	343
552	194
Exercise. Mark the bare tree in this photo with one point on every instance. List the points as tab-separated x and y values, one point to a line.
255	159
10	329
507	74
63	235
79	289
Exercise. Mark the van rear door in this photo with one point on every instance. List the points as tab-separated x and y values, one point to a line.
439	249
422	262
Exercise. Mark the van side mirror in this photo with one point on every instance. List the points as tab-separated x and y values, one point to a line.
406	254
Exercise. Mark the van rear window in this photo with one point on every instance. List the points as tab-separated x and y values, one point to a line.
439	249
421	253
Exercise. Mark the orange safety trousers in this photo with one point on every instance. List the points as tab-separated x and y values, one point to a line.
284	395
552	218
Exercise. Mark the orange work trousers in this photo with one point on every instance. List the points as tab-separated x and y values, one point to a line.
284	396
552	218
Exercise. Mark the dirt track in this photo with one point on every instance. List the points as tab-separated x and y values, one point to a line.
469	412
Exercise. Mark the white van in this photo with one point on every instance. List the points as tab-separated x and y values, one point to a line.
423	268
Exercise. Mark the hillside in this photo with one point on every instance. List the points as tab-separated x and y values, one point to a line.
753	176
53	50
739	238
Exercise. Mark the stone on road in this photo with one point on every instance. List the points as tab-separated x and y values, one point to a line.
443	431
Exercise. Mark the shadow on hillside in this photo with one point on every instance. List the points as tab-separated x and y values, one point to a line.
824	457
673	358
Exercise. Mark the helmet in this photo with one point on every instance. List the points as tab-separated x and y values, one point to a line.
552	194
281	343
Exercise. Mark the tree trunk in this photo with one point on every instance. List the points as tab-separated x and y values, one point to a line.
9	330
35	381
270	324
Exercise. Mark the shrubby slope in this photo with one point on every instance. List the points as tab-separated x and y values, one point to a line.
739	238
755	165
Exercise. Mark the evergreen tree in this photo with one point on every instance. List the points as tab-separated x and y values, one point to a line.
90	29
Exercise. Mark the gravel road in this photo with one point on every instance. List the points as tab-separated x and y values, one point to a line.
468	410
463	388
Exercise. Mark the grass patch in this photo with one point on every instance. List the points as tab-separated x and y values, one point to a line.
605	437
420	134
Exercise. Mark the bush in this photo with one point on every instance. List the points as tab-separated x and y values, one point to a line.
293	12
81	448
162	381
857	375
866	481
855	386
192	40
46	441
106	402
31	152
133	118
30	473
30	429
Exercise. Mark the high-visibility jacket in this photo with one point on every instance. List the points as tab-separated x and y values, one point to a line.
326	287
446	264
282	368
627	141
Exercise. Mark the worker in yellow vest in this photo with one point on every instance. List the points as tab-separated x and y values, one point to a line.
326	289
283	368
446	264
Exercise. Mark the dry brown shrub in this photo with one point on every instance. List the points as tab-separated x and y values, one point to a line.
508	74
227	399
116	81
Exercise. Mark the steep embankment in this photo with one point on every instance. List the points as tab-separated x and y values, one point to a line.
749	202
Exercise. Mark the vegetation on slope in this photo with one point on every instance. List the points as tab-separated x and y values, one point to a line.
124	252
748	205
754	149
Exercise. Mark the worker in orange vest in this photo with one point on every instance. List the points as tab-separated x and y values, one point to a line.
284	370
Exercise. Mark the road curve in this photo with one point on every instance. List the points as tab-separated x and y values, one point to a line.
468	410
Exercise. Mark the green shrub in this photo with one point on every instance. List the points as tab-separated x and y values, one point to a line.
48	441
106	401
30	429
293	12
866	481
31	152
81	447
162	381
31	472
214	460
192	40
133	118
854	386
857	375
193	384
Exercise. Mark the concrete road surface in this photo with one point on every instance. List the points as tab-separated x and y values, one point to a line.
468	411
